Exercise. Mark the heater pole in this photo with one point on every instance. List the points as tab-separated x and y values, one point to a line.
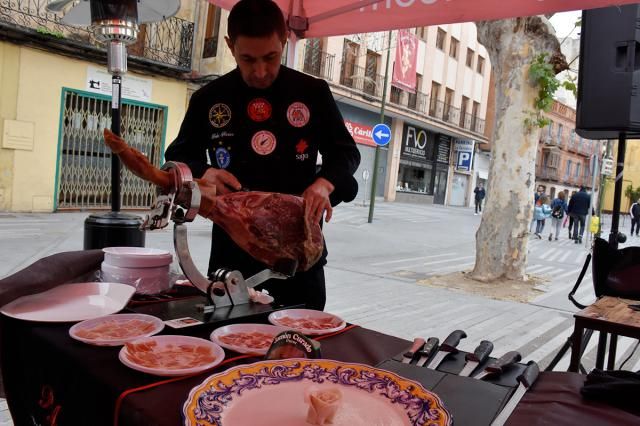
116	100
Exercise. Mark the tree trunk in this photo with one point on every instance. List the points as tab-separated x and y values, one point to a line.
501	240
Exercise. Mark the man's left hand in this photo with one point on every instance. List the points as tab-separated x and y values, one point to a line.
316	200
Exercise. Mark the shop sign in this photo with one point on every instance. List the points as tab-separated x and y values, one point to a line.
133	87
464	154
443	149
415	145
361	133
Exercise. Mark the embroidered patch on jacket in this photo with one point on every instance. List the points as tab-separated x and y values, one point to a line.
223	157
219	115
298	114
301	148
263	142
259	109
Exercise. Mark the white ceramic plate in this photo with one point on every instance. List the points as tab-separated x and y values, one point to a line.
162	342
116	320
272	330
277	318
71	302
271	393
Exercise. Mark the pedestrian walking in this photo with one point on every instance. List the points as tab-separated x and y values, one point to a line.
536	196
558	211
579	205
541	212
480	193
634	211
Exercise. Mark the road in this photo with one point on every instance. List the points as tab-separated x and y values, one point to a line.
373	272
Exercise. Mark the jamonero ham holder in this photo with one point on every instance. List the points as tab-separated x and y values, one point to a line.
269	226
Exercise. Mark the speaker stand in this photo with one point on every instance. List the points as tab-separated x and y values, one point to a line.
614	235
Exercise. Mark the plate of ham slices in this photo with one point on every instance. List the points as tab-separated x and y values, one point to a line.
171	355
307	321
311	392
246	338
116	330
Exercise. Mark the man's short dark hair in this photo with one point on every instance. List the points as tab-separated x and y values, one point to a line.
256	18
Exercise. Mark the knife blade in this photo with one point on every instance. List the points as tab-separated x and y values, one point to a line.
408	356
447	347
479	355
497	365
428	350
525	380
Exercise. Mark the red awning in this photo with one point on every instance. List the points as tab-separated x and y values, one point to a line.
337	17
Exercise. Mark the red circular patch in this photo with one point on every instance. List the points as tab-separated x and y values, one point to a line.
263	142
298	114
259	109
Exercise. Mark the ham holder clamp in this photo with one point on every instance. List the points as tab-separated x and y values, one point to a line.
180	203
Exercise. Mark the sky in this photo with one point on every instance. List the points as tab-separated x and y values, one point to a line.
564	22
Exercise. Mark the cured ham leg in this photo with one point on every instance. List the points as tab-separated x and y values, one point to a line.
271	227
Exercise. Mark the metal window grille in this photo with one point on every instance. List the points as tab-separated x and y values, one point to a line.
85	161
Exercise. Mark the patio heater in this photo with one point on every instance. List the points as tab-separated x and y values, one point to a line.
114	23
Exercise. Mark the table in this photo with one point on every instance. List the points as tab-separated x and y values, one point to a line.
608	315
53	379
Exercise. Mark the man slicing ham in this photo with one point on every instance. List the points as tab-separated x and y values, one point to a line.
246	130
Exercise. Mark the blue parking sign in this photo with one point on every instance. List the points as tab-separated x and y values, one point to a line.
463	162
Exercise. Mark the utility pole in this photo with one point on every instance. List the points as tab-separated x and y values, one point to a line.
374	180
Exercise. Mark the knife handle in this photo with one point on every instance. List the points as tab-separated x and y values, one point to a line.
497	365
529	375
481	353
452	340
418	343
430	346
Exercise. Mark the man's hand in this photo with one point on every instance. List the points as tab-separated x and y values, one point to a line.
316	200
224	181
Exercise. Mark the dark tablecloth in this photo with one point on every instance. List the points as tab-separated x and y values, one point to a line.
52	379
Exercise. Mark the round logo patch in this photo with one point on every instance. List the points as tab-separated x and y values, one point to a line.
219	115
259	109
223	158
298	114
263	142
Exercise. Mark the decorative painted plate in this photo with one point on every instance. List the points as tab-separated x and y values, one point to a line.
307	321
272	393
116	330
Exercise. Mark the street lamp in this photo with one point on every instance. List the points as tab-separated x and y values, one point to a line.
114	23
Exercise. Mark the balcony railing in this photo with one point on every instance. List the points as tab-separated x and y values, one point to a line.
167	43
318	63
355	77
473	123
548	173
417	102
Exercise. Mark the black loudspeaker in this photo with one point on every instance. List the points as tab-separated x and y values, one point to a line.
609	77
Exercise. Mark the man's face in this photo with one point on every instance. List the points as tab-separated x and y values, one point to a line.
540	189
258	58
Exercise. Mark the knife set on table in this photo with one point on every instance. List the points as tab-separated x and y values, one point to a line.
476	389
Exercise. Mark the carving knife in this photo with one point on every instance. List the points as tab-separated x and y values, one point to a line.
497	365
479	355
428	350
408	356
447	347
525	380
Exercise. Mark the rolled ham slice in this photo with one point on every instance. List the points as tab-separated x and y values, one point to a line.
270	227
323	405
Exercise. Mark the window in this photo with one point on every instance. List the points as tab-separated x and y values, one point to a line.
475	124
567	172
435	94
464	122
348	69
559	141
421	32
470	54
371	81
210	48
572	137
440	39
577	175
448	100
480	67
453	48
395	95
550	128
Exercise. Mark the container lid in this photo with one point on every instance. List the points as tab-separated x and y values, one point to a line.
136	257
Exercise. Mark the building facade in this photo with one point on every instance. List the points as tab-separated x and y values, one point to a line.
564	160
56	101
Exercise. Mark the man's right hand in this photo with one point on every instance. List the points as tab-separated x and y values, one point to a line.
224	181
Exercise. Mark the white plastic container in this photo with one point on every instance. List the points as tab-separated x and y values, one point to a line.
145	269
